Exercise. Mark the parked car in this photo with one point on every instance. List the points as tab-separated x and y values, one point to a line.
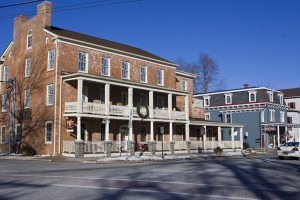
289	149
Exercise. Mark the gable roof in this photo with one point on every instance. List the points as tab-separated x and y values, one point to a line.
292	92
106	44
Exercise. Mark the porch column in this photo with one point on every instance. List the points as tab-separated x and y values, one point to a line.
170	105
232	138
130	98
151	104
107	129
171	131
79	96
187	132
278	136
107	98
78	129
204	138
107	142
186	105
219	136
241	137
172	143
151	131
152	143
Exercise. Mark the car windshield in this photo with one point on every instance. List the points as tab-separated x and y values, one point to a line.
291	144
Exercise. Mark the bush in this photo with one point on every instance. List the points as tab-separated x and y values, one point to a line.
28	150
218	151
246	145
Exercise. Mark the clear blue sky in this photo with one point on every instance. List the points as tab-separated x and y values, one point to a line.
253	41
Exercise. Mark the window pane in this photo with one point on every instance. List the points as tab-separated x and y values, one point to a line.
81	62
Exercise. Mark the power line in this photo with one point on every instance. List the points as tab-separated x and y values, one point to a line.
81	6
18	4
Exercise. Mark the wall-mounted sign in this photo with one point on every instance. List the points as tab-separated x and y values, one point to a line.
71	123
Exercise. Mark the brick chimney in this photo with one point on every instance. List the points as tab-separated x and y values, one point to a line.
246	85
44	13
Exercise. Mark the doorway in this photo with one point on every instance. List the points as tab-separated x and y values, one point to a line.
124	137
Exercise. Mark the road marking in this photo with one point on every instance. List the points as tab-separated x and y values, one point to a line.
153	191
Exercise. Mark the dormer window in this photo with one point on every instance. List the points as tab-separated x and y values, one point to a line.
270	95
206	101
228	98
252	96
29	39
280	98
184	85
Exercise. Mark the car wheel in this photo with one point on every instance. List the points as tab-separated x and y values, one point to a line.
280	157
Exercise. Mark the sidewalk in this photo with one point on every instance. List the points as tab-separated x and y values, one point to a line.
144	158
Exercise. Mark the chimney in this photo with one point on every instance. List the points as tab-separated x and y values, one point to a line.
246	85
18	21
44	13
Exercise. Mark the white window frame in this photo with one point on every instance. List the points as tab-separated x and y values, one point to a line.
82	62
250	94
206	101
207	116
5	73
3	134
105	66
160	77
50	95
271	96
272	115
143	74
4	100
262	116
282	116
18	133
27	98
125	70
47	132
280	98
29	39
28	62
228	95
184	85
226	117
50	66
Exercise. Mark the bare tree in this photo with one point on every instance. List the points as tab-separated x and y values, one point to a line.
207	69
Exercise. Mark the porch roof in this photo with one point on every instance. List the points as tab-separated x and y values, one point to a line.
214	123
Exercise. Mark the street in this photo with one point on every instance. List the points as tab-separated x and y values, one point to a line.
230	178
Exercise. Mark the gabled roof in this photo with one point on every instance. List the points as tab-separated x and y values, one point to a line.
292	92
106	44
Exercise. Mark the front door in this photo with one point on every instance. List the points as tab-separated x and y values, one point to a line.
124	138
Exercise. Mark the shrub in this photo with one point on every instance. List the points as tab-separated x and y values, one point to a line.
28	150
246	145
218	151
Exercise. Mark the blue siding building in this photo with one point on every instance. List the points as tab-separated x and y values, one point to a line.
262	110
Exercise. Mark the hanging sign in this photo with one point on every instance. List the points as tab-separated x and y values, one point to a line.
70	124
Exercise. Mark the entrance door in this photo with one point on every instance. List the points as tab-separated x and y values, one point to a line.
124	138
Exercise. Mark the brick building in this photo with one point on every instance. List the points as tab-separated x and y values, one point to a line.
73	90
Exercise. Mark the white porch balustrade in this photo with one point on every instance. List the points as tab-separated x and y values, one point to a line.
119	110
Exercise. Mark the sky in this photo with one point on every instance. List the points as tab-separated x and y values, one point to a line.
253	41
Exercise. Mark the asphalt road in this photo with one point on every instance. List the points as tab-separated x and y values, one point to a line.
221	178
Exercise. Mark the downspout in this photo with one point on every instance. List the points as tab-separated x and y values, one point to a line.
55	94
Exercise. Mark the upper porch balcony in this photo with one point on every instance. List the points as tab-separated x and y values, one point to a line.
119	110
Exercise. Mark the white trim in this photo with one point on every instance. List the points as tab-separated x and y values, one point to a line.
184	85
6	50
181	73
142	58
47	95
282	117
207	116
206	101
48	63
46	123
272	115
127	64
4	109
28	48
270	96
26	106
146	73
162	77
228	95
86	62
250	93
108	63
1	141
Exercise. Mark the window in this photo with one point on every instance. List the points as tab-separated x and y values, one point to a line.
184	85
50	59
272	115
102	132
82	62
252	96
143	100
160	101
228	118
19	133
270	96
3	134
50	93
206	101
5	73
27	98
228	98
280	98
198	134
282	116
4	99
48	132
262	116
143	132
207	116
29	39
85	94
143	74
289	120
125	70
160	136
292	105
27	67
160	77
183	134
102	96
105	63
